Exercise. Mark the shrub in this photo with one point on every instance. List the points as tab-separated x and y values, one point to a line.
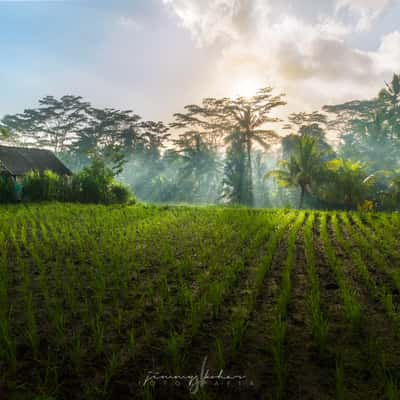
366	206
92	183
44	187
7	189
120	194
96	184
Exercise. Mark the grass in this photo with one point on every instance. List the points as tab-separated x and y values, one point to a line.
280	328
92	298
318	323
351	305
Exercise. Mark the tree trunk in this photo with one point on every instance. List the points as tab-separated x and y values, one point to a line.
250	195
302	192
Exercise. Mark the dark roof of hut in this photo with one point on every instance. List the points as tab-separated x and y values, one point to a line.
19	161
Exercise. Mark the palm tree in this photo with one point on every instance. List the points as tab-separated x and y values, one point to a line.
389	181
392	91
228	118
390	96
302	169
348	182
251	115
235	184
199	166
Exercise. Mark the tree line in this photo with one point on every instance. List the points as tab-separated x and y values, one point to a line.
229	150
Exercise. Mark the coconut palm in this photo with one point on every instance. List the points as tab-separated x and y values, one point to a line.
347	183
234	120
302	169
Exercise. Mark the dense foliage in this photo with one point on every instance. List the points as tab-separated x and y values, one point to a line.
94	184
221	150
44	187
7	191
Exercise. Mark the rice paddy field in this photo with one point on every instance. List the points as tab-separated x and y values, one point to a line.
147	302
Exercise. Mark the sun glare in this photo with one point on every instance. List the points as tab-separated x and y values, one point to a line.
245	87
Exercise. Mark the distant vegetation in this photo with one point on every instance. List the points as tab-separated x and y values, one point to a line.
226	150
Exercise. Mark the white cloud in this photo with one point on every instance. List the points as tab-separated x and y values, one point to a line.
387	58
365	10
305	53
209	20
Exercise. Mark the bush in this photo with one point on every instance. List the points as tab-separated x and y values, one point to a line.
44	187
96	184
7	189
120	194
91	185
366	206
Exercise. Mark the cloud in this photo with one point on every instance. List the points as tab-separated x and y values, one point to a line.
209	20
304	51
366	10
387	58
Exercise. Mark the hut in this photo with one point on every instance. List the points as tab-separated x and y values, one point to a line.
16	162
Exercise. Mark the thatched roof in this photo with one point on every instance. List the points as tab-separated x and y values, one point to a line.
19	161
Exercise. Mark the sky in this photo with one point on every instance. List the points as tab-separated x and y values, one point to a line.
156	56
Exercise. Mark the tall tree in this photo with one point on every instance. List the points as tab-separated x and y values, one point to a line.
154	136
54	124
261	164
246	117
303	169
199	168
144	144
306	124
23	127
368	136
235	185
105	135
390	98
370	129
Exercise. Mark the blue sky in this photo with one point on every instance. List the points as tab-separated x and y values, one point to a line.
118	54
155	56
